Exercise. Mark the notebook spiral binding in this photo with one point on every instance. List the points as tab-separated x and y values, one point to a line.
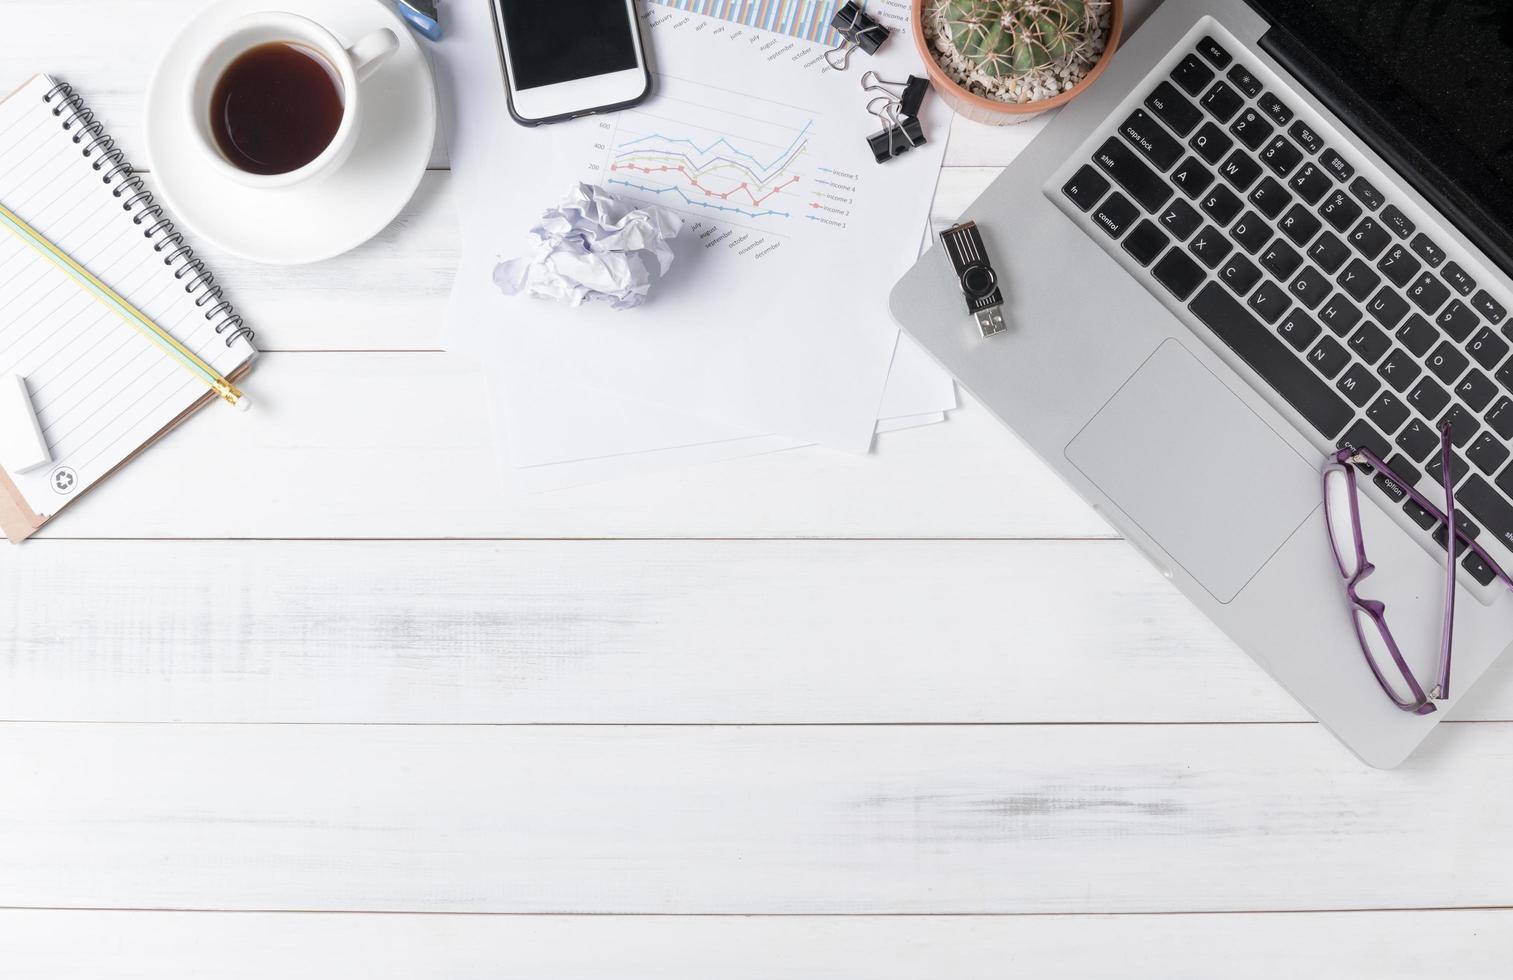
110	162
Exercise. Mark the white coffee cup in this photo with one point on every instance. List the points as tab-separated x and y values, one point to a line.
351	64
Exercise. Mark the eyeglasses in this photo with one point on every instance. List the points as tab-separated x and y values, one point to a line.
1342	513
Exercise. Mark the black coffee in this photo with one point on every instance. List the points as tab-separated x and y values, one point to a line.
275	108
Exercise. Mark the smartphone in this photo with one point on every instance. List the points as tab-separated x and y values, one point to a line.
567	58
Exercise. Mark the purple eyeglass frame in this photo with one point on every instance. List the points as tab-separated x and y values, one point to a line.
1420	703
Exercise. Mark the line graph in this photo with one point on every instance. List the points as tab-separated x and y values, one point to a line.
725	159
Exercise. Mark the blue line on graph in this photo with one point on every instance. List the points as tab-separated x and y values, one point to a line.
705	149
700	204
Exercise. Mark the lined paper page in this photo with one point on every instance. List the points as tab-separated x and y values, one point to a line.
100	388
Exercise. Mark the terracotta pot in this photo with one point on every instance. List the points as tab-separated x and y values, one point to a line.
991	111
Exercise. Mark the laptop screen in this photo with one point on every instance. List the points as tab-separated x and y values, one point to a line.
1436	75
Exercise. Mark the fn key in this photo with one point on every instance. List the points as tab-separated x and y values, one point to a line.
1085	188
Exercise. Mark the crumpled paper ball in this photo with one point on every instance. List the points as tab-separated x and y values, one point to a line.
594	247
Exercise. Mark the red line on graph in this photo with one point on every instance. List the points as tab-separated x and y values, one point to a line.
709	193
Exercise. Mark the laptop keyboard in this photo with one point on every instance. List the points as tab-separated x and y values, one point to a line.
1237	209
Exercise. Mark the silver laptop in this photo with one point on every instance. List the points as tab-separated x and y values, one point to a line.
1270	229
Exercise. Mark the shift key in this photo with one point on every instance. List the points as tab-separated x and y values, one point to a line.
1131	173
1275	362
1490	508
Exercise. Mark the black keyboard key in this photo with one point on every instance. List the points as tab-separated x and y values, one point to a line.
1145	242
1462	423
1132	174
1269	301
1192	75
1458	279
1447	363
1180	219
1487	348
1240	170
1435	470
1309	287
1339	314
1328	357
1417	335
1398	370
1222	102
1399	265
1476	390
1273	360
1359	280
1147	136
1505	375
1399	222
1467	528
1281	156
1210	246
1210	142
1418	440
1488	453
1172	108
1505	482
1337	165
1387	413
1387	308
1428	398
1418	515
1405	470
1428	293
1311	183
1489	507
1488	307
1361	435
1221	204
1251	128
1358	384
1305	135
1300	225
1329	252
1178	273
1273	107
1339	210
1115	215
1191	177
1366	193
1211	49
1369	342
1425	248
1478	569
1500	417
1280	260
1369	238
1239	274
1244	80
1251	232
1270	197
1300	330
1086	187
1457	320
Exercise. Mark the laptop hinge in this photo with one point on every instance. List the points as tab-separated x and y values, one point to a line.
1378	131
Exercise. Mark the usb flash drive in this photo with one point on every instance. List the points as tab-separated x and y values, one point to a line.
975	275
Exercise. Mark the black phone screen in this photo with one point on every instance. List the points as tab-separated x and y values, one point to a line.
554	41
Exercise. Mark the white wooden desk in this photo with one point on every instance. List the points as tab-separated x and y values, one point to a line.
266	711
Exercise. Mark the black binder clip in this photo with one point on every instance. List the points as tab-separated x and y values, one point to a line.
899	134
857	30
910	95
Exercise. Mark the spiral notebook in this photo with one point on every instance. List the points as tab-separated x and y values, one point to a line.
102	391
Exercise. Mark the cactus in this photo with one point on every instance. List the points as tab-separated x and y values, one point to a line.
1011	37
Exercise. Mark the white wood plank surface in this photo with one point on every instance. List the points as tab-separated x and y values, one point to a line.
685	632
259	946
746	820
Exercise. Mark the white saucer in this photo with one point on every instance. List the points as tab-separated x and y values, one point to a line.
327	216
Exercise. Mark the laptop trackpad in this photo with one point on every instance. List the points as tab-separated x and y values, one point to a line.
1199	472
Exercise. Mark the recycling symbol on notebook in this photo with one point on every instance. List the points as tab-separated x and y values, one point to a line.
64	479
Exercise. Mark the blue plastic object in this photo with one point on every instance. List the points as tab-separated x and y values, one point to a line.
422	16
